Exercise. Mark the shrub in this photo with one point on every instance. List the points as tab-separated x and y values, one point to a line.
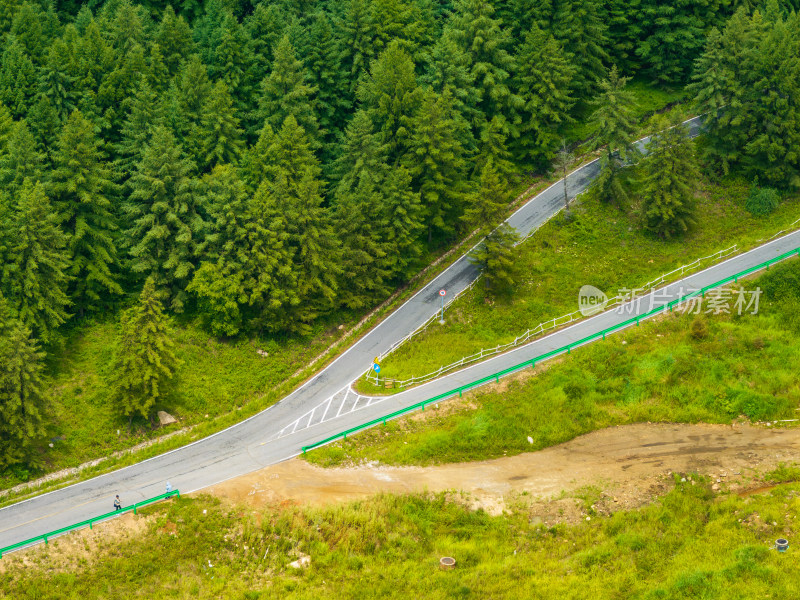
762	200
699	328
782	281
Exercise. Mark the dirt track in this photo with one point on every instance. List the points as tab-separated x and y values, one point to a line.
630	464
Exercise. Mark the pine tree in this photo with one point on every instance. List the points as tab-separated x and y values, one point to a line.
614	126
712	79
358	219
401	20
28	30
145	361
625	31
43	122
493	150
157	72
126	26
117	87
250	279
436	162
357	37
390	95
271	279
174	37
34	267
8	8
285	92
361	155
579	26
544	80
359	214
489	202
81	185
449	68
17	78
290	155
483	39
218	136
95	59
674	37
20	159
166	228
56	83
6	126
194	86
496	258
744	79
264	28
670	179
208	29
143	116
254	160
328	76
23	404
226	202
773	152
310	239
230	62
219	282
402	214
84	18
715	87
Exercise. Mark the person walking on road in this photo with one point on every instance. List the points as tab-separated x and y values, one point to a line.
117	503
169	487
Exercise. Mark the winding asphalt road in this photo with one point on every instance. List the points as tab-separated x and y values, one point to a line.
265	439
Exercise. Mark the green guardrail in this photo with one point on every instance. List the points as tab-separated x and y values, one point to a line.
567	348
90	522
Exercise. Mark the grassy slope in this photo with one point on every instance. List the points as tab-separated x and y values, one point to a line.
688	544
656	372
214	378
602	247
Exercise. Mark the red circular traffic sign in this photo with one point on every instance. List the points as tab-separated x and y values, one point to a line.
442	292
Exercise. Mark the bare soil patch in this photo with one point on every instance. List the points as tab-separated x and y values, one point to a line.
77	549
627	466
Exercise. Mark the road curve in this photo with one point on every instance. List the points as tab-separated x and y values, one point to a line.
258	441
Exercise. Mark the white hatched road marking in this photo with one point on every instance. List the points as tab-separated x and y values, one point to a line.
343	400
307	420
330	401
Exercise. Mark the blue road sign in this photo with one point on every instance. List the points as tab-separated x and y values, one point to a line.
377	367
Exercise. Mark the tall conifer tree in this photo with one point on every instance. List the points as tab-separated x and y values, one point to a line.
614	126
166	230
145	361
670	177
35	263
81	186
23	402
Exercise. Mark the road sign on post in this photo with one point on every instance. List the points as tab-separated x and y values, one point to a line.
376	367
442	294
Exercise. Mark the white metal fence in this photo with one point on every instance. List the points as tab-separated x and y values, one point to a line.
542	327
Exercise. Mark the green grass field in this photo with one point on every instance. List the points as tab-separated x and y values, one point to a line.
690	543
659	371
601	246
215	378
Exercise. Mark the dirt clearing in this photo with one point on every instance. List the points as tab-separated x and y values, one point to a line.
625	466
